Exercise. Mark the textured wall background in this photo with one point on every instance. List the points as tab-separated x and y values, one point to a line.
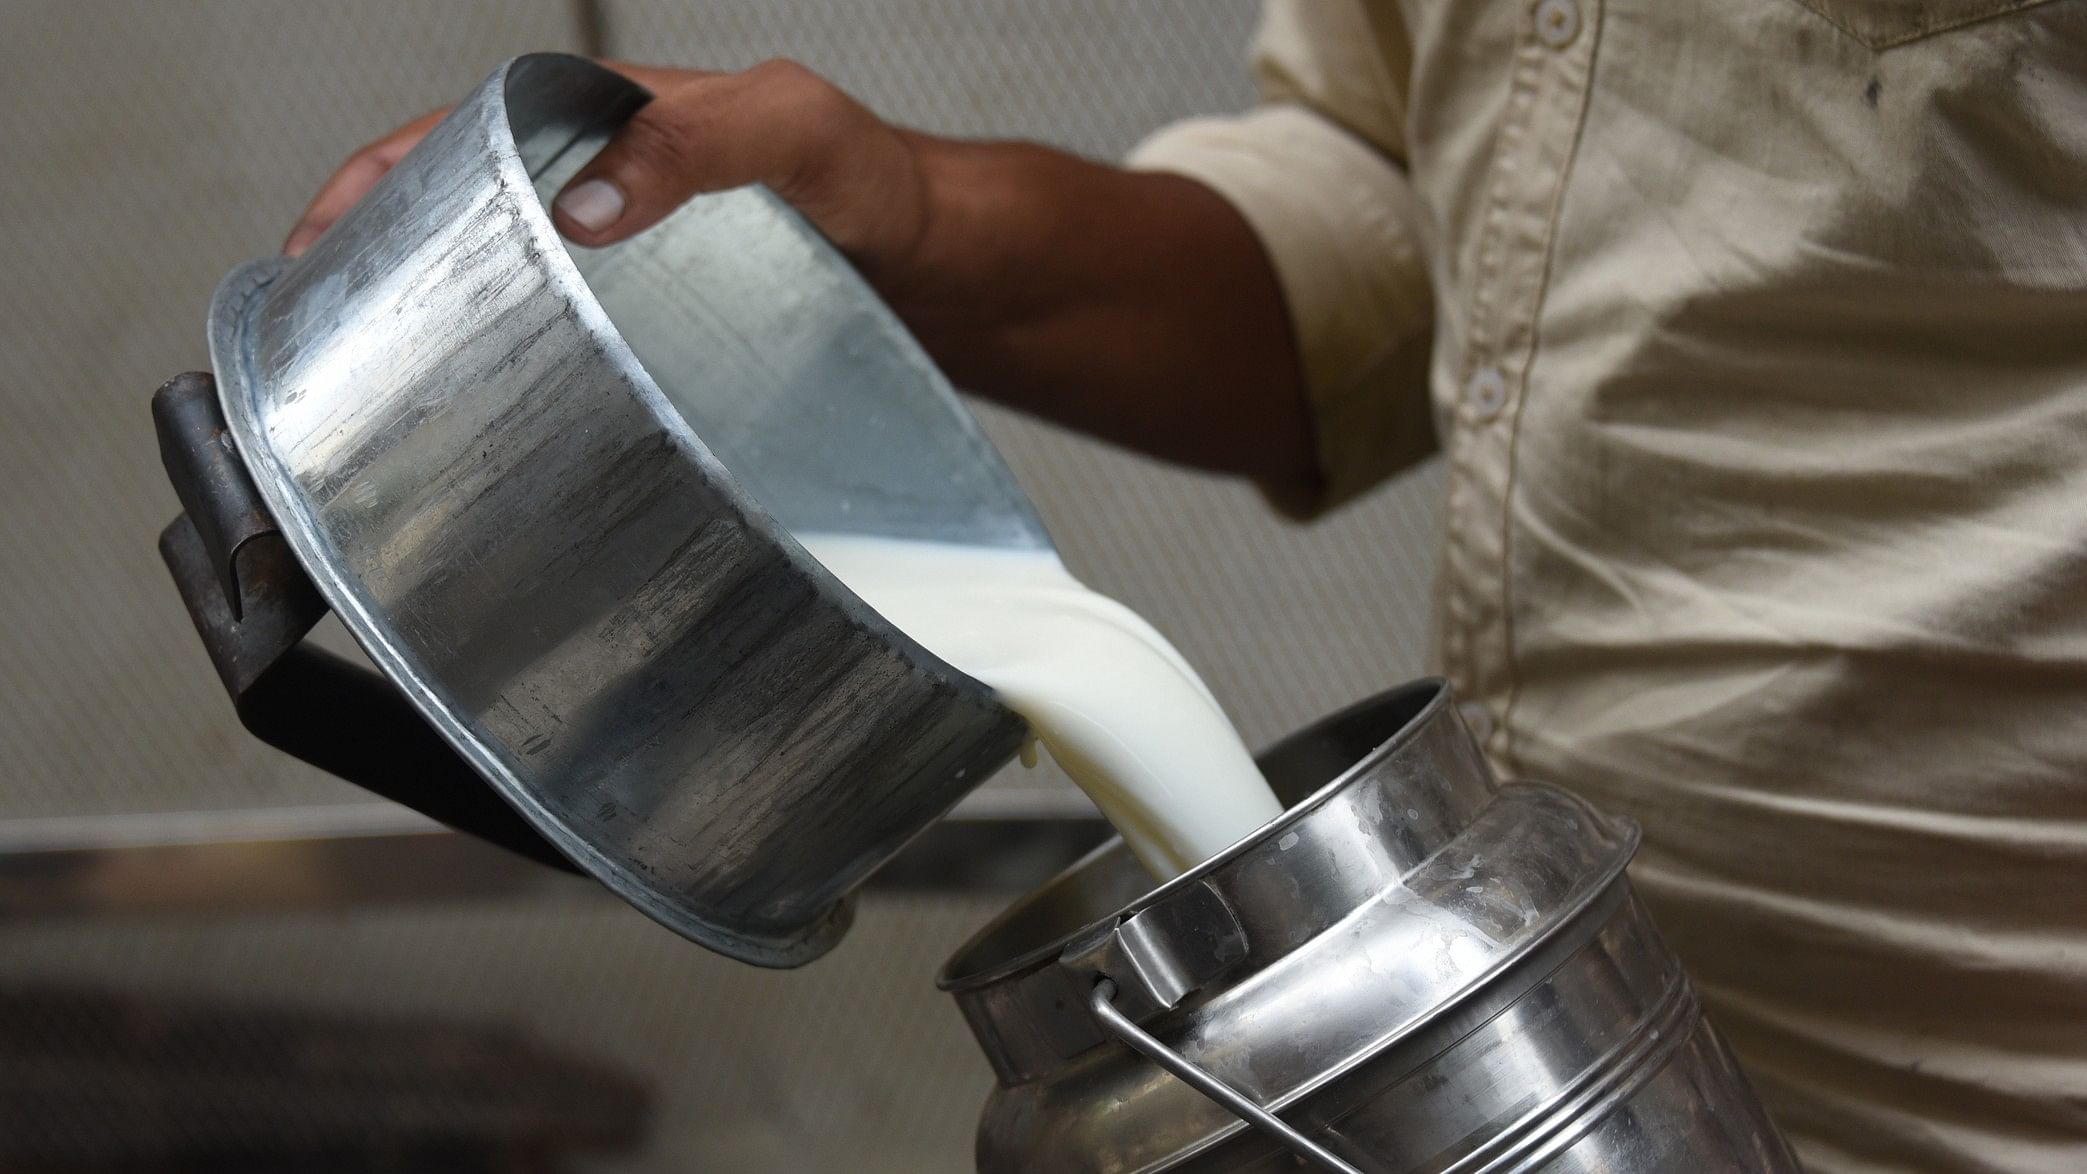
149	146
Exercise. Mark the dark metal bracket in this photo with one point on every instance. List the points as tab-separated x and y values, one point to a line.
253	605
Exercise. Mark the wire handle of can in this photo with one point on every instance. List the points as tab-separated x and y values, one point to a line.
1102	1003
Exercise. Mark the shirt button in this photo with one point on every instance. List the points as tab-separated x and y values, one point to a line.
1557	22
1486	392
1478	719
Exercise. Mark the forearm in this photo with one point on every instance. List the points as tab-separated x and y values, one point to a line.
1138	307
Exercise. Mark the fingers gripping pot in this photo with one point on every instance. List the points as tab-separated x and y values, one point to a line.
1414	969
552	493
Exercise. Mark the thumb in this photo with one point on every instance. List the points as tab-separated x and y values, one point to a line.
771	124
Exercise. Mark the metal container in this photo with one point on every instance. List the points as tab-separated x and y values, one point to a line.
552	493
1414	968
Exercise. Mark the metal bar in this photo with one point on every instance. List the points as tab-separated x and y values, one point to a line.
374	854
1238	1103
255	861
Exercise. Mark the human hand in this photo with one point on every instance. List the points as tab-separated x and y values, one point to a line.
851	174
1137	306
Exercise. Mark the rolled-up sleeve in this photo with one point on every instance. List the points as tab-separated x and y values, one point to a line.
1318	171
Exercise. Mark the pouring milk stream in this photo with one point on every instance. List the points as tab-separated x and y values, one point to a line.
1105	693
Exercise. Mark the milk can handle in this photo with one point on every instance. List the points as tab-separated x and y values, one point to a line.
1102	1003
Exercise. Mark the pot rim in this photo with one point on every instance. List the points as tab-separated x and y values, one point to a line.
1439	699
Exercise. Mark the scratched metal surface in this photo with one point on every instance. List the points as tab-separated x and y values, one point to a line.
521	527
152	146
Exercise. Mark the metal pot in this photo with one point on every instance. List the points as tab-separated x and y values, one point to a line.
1414	968
552	494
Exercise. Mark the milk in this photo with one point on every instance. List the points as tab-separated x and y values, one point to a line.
1105	693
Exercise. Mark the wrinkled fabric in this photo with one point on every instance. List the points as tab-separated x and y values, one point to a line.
1755	341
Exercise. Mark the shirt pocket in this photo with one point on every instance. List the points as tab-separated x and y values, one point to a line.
1883	24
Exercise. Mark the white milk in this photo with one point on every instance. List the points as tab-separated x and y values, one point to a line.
1112	701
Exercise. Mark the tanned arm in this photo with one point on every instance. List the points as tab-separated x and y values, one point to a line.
1137	307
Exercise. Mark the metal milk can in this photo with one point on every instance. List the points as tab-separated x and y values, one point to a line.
1415	968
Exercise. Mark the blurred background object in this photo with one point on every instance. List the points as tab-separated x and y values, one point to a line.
97	1081
158	866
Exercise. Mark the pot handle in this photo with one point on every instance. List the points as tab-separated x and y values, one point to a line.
253	605
1102	1003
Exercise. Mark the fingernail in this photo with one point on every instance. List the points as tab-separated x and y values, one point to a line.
298	241
593	205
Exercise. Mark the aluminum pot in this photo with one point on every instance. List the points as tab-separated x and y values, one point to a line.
553	492
1414	968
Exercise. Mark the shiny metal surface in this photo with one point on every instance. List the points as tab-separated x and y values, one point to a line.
552	496
1102	1004
1416	966
554	509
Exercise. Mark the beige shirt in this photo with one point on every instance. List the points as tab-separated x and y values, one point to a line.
1756	337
